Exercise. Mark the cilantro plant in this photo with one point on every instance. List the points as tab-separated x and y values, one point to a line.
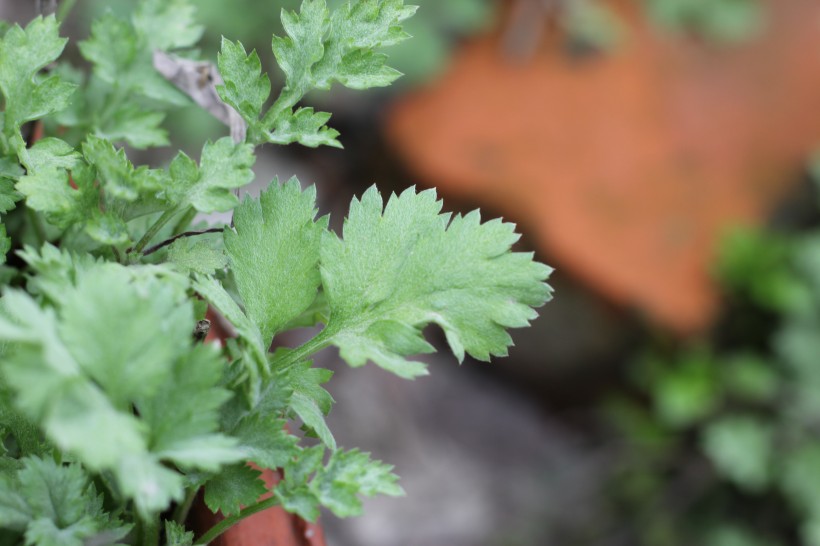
113	411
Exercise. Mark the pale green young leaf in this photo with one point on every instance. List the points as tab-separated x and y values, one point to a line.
274	253
8	195
196	256
48	191
23	53
245	89
177	535
138	127
235	486
167	24
52	152
305	127
321	47
111	48
264	440
55	505
407	266
336	485
136	361
183	413
224	166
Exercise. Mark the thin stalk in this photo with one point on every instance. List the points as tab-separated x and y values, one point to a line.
182	509
323	339
166	242
184	221
37	226
153	230
229	522
149	531
64	9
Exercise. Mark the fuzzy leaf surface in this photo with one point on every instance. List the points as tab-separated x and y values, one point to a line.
23	53
274	251
405	265
336	485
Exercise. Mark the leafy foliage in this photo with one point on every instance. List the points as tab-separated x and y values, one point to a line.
112	410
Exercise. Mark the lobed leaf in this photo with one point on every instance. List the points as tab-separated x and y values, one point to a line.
407	265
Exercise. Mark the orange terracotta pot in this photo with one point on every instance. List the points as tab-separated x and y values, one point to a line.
271	527
627	167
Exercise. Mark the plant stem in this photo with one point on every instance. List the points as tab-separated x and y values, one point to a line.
149	532
229	522
65	9
37	226
314	345
184	220
153	230
170	240
182	509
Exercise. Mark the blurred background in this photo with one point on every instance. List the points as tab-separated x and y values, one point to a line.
658	154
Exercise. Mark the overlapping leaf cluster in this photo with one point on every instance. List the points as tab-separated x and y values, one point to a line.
108	401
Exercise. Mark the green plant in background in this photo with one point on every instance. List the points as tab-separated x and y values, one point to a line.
728	451
113	414
716	20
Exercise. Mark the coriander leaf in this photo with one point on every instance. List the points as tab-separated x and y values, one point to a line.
22	54
265	441
245	89
111	48
48	191
235	486
183	413
177	535
336	485
274	251
8	195
305	127
407	266
52	152
55	505
139	127
167	24
134	362
197	256
351	473
319	48
224	167
307	398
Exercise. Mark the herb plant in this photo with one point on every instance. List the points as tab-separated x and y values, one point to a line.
113	412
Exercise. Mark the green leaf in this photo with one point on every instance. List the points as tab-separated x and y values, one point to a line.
235	486
138	127
308	399
55	505
197	256
305	127
741	449
167	24
111	48
177	535
322	47
134	362
265	441
8	195
183	413
23	53
224	167
336	485
274	253
246	89
397	271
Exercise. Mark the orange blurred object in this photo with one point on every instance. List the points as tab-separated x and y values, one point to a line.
626	167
